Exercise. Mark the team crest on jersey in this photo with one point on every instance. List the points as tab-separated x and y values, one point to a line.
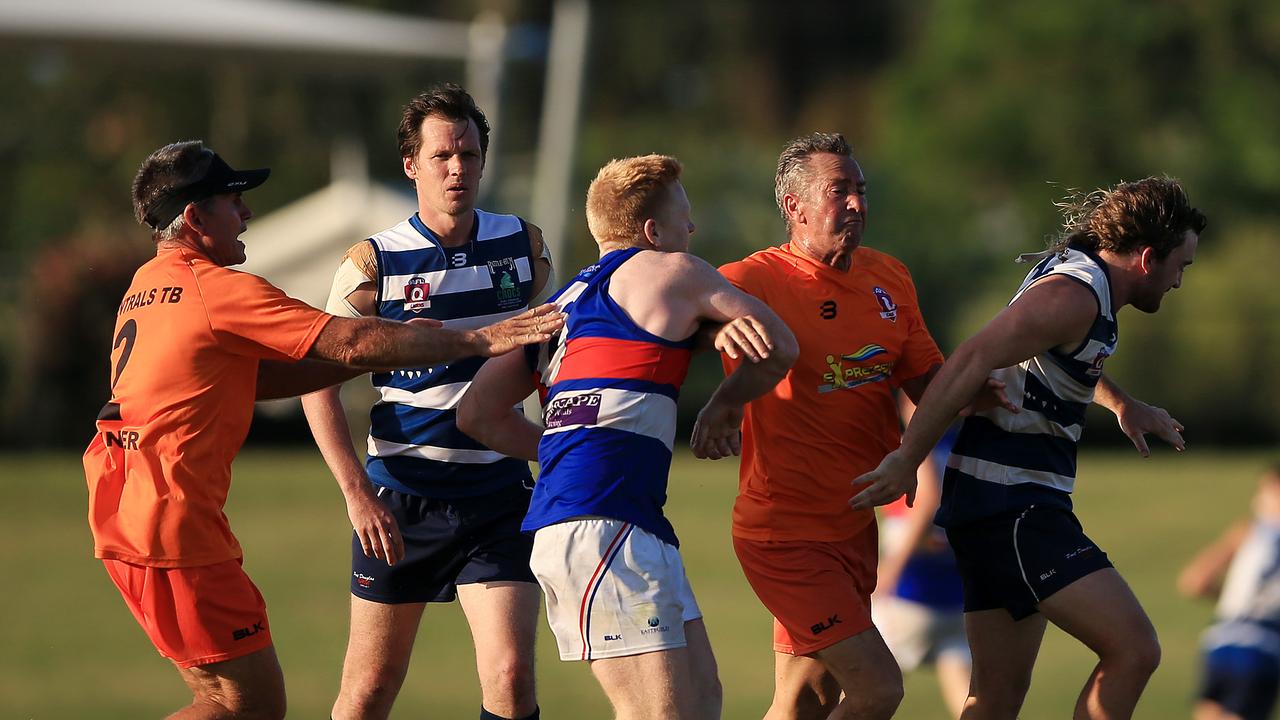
1095	367
417	294
888	310
849	370
504	275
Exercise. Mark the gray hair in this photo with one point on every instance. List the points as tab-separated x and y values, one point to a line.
794	160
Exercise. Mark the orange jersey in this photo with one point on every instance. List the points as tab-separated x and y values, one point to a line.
833	417
184	366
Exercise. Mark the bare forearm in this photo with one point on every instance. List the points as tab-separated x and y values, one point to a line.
510	434
333	437
1109	395
290	379
950	390
373	343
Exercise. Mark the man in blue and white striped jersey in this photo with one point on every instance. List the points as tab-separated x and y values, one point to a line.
436	515
1006	499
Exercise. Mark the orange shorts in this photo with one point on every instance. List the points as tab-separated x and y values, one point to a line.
195	615
818	592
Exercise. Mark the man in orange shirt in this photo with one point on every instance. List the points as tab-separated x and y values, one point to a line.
195	345
810	558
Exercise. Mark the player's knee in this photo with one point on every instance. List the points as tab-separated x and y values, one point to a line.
1143	657
268	705
710	695
883	701
512	678
369	693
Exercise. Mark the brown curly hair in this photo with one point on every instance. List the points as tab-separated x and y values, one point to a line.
1153	212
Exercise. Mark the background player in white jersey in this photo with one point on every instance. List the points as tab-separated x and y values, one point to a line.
1241	663
607	558
435	515
1006	500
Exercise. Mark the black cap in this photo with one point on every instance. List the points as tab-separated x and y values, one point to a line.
218	177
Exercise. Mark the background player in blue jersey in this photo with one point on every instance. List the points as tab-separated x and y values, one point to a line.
1241	664
1006	499
918	606
435	514
606	556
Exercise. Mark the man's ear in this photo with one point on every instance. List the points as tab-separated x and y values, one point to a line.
410	167
191	214
791	206
651	234
1147	260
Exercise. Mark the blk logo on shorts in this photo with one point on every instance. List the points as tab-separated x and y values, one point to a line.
822	627
243	633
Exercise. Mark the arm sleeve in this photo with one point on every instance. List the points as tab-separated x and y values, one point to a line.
250	316
358	266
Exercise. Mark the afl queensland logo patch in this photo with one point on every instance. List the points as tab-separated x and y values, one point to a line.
506	283
417	294
888	309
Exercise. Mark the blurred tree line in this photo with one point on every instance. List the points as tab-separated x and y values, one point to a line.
970	118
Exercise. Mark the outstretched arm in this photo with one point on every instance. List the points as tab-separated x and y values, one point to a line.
1056	311
488	411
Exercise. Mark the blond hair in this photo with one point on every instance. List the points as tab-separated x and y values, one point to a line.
625	193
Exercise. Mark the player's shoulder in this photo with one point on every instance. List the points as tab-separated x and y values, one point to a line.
492	226
762	264
882	261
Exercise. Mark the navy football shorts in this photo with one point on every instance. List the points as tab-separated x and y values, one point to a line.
1243	680
1016	559
447	543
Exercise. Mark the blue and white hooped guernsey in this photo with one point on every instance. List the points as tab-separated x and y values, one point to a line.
415	445
609	410
1002	461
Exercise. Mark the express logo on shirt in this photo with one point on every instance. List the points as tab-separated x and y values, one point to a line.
417	294
848	371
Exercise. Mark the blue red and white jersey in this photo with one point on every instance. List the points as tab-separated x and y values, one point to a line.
415	445
931	576
1248	613
1003	460
609	410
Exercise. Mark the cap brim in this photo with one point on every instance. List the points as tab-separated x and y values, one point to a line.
241	180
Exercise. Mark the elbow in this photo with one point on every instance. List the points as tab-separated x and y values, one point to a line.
785	353
469	418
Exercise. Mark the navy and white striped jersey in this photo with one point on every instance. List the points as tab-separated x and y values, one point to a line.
415	445
1001	460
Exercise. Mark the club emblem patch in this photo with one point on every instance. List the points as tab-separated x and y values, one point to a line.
417	294
888	309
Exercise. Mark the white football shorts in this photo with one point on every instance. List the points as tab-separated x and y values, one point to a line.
612	589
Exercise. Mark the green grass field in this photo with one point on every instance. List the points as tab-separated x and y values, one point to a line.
71	649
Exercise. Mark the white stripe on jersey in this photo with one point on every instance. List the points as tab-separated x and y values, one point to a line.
441	397
478	321
386	448
404	236
648	414
452	280
1007	474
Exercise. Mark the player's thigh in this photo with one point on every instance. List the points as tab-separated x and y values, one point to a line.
862	661
1004	650
381	639
503	617
651	685
250	683
702	660
1102	612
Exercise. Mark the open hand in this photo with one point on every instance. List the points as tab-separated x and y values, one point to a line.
1137	418
888	482
529	327
376	527
717	432
744	336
